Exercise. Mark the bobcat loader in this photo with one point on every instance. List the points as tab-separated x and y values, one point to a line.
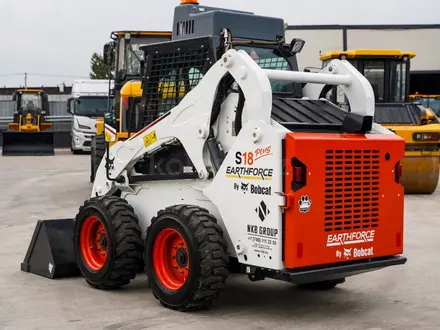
249	171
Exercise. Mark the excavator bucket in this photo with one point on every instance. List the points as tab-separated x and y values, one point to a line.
28	144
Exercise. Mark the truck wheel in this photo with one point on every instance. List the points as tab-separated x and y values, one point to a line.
108	242
186	257
324	285
100	149
75	152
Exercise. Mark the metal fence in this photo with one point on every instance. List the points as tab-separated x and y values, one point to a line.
60	118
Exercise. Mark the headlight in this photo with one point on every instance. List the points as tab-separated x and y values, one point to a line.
426	136
83	126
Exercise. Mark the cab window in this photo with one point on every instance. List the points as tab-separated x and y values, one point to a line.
270	58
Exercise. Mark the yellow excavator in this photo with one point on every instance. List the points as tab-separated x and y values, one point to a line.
29	132
123	55
388	73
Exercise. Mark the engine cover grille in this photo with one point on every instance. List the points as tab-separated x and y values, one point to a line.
351	189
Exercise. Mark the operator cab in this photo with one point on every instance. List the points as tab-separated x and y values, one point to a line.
125	54
125	58
199	39
388	72
32	101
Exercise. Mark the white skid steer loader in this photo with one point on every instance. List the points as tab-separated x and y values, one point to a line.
250	170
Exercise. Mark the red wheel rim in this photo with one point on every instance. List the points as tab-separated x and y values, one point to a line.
94	243
171	259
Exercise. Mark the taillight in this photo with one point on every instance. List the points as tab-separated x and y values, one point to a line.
298	174
397	172
299	171
426	137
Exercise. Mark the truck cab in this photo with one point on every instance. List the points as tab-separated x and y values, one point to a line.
90	100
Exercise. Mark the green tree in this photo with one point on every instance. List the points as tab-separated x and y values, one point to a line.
98	68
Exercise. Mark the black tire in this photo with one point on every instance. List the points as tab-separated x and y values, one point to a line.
208	258
92	157
99	151
123	241
321	286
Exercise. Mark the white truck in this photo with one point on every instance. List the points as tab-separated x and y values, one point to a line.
90	100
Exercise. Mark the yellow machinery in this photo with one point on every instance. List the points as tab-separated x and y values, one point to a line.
388	73
29	132
431	101
128	118
124	56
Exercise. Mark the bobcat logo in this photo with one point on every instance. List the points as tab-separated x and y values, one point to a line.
304	204
244	187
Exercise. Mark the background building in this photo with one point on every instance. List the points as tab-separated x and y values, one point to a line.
424	40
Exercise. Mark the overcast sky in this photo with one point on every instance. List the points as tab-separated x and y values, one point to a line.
57	37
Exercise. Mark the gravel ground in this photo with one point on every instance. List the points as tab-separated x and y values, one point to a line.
403	297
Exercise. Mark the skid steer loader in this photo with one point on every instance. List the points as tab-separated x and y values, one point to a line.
249	171
123	56
388	73
29	133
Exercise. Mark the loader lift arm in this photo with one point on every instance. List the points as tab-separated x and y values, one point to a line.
189	122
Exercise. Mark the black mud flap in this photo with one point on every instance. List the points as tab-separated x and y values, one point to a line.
28	144
51	251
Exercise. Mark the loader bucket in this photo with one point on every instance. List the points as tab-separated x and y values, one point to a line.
420	174
51	250
28	144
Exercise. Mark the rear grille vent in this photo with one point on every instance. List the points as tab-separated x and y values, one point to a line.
351	190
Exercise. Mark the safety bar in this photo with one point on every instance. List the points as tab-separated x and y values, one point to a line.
309	77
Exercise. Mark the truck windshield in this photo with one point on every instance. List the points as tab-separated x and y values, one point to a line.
31	101
269	58
90	107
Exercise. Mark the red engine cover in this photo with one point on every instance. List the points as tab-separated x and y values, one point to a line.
350	206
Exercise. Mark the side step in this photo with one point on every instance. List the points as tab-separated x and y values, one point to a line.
51	250
328	272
